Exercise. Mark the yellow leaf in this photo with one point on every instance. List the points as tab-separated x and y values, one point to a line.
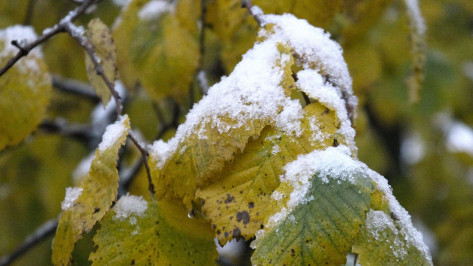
160	50
101	38
162	234
25	89
86	205
239	202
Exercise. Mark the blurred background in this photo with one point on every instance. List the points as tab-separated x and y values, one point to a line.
424	149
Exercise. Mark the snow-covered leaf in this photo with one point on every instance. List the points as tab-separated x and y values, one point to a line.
87	204
319	220
25	89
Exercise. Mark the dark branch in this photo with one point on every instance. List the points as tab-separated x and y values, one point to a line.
43	232
75	87
60	126
58	28
255	11
144	155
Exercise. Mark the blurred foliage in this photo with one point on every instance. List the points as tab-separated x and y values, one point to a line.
436	188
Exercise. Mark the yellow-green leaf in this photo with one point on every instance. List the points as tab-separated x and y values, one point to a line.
25	89
101	38
383	241
86	205
323	203
158	50
160	235
238	203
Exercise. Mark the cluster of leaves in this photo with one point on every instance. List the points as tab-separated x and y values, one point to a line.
227	180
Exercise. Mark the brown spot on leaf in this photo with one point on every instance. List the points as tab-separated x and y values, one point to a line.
229	199
251	205
236	232
243	216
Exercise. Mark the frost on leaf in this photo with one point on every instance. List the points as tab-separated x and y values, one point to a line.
157	44
25	89
98	191
161	234
101	38
388	236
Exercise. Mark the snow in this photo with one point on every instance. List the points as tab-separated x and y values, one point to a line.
113	133
311	82
154	9
83	168
316	50
414	14
130	205
337	163
412	148
331	163
468	70
23	35
252	93
460	138
406	230
72	193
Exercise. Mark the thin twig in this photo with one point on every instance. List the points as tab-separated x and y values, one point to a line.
43	232
255	11
144	155
89	48
58	28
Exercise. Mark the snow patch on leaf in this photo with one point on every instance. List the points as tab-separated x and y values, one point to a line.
130	205
329	163
23	35
405	227
315	49
113	133
72	193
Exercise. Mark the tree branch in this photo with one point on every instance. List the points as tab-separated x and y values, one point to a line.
43	232
60	126
144	155
255	11
75	87
47	34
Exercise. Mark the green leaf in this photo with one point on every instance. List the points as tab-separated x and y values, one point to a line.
161	235
25	89
94	197
383	241
322	226
101	38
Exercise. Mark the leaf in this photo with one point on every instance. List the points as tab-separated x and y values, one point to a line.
238	203
94	197
388	236
320	218
158	50
25	89
196	156
101	38
162	235
383	241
